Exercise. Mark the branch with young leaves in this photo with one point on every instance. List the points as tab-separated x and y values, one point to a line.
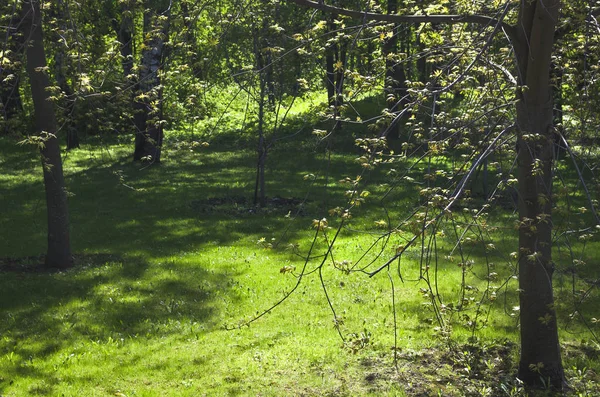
459	190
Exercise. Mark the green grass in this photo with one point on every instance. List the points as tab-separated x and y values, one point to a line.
168	258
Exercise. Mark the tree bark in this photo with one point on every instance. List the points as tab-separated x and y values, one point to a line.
124	30
335	64
260	197
148	117
421	62
395	77
59	247
540	362
193	50
341	59
557	78
329	65
57	8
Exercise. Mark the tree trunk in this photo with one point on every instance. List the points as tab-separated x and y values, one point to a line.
125	37
260	197
540	362
335	64
342	59
59	248
270	82
329	66
395	77
148	116
193	50
421	62
557	78
260	194
58	12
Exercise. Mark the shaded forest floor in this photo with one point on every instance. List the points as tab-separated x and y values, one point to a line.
173	261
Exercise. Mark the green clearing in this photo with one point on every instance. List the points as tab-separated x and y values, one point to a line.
170	256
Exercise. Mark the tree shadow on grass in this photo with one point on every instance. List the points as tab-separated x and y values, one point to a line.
124	208
108	298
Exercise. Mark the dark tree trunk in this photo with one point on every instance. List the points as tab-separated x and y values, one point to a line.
193	50
557	78
59	248
367	59
58	12
340	73
148	116
540	351
422	74
485	179
335	64
329	66
395	77
270	82
123	26
260	196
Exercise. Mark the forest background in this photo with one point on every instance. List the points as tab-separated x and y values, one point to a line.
298	197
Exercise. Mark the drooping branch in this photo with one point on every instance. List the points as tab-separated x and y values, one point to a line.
458	192
395	18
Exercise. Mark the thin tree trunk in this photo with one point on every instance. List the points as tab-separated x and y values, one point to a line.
259	190
329	66
335	63
367	59
123	26
557	78
342	59
59	248
260	195
421	62
485	179
540	362
270	82
193	50
124	30
58	12
395	77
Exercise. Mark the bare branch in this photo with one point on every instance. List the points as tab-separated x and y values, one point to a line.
504	71
371	16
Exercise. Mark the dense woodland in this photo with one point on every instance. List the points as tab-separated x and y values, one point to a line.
438	160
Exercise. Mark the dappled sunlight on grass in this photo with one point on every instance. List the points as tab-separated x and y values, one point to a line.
170	256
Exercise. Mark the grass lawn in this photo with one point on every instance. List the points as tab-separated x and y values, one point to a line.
174	260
